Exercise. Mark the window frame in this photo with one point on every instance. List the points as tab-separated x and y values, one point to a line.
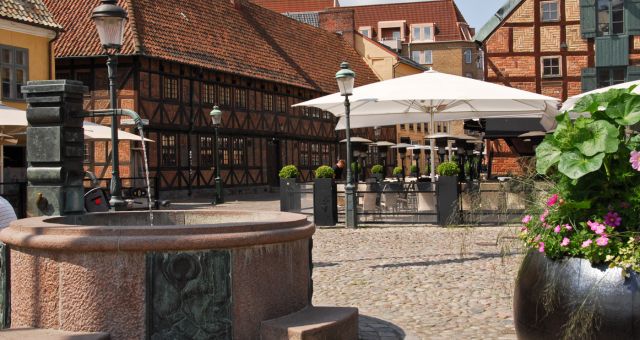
423	57
468	55
422	27
169	151
368	29
542	11
610	22
542	66
14	93
205	152
611	81
168	90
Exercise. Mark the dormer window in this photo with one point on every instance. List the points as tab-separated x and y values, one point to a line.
366	31
391	30
422	33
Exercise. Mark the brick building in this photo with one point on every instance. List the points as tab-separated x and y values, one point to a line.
559	48
175	65
430	33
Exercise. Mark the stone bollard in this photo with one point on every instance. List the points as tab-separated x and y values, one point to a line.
55	147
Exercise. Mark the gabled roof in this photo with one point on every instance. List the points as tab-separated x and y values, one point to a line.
246	39
443	13
309	18
495	21
294	6
31	12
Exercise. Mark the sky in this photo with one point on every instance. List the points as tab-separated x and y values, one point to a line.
477	12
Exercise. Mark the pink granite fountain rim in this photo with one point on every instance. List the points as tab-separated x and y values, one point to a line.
174	230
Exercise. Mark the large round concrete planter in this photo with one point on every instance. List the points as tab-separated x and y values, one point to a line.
194	274
552	296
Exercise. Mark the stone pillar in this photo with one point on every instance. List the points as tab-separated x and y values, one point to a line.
55	147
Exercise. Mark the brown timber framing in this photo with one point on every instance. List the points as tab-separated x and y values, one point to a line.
142	88
536	78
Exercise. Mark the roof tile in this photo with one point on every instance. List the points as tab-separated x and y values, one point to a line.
32	12
249	41
289	6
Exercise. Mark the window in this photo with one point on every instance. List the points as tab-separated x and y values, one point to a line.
422	57
238	151
551	67
549	11
611	76
206	152
14	67
325	154
610	17
366	31
403	127
267	102
410	127
391	33
240	98
304	154
225	96
422	32
419	127
168	150
209	94
88	152
468	56
315	155
223	150
170	88
281	104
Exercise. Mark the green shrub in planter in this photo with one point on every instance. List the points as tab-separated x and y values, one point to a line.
377	169
414	169
289	171
397	171
356	167
448	169
324	172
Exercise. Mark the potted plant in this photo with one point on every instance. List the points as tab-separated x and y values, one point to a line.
290	196
377	171
414	170
397	171
447	192
355	171
325	197
580	278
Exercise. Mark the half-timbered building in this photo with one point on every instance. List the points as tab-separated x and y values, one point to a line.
179	59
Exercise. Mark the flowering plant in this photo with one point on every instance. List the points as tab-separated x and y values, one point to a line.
594	212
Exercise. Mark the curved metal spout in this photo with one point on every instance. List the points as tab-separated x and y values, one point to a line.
119	112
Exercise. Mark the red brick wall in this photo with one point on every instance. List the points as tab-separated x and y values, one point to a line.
339	20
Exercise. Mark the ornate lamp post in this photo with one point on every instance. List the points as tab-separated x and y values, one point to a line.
216	119
110	19
346	78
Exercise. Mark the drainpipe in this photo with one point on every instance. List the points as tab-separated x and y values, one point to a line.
52	63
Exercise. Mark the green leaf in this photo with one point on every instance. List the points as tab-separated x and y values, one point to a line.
634	142
547	155
575	165
627	111
596	137
581	205
589	103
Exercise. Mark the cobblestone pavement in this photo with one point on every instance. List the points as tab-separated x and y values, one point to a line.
420	282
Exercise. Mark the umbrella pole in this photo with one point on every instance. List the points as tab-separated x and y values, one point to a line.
432	157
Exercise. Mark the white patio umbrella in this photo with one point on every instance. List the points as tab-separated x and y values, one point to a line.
571	101
97	132
433	96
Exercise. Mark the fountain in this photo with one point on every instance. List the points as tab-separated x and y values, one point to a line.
192	275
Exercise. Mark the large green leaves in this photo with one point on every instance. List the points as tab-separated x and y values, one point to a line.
547	155
596	137
625	112
575	165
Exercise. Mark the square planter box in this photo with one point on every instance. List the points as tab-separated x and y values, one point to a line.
447	198
290	196
325	202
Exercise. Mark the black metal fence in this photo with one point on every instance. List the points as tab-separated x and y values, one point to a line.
133	188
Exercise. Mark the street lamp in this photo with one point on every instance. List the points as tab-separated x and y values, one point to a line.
216	120
346	78
110	19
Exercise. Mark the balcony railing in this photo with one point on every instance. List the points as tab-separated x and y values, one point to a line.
394	44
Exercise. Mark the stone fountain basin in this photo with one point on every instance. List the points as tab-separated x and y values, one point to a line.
111	272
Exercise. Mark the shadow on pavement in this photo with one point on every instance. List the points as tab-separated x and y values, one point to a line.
440	262
371	328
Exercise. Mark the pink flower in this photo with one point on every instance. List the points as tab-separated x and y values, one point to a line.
526	219
552	200
537	238
565	242
541	247
586	243
596	227
635	160
544	215
568	227
602	241
557	229
612	219
524	229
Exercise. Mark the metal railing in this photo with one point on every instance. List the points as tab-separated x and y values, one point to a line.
132	187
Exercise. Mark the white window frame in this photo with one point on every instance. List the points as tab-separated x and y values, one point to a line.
422	57
542	3
559	66
468	55
421	38
368	28
392	24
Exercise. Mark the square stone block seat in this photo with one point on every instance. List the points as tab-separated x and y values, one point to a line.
49	334
313	323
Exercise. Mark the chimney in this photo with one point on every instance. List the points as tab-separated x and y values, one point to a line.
237	4
339	20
